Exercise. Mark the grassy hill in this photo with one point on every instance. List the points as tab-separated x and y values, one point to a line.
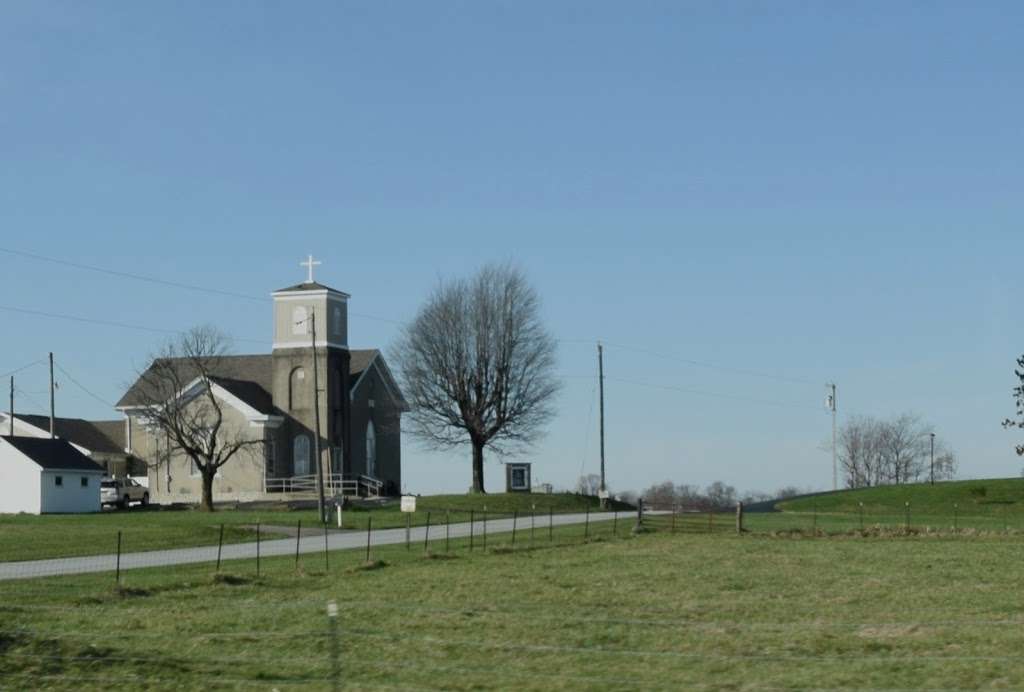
996	497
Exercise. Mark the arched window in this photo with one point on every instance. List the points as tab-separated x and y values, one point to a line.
296	381
300	320
300	456
371	451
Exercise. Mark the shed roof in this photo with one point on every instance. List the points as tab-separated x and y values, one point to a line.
58	454
104	436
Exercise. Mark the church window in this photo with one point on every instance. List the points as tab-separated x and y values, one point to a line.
371	450
300	455
337	320
300	320
295	384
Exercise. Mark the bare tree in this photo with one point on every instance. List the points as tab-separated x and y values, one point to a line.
720	495
894	451
661	495
180	400
1018	395
477	366
589	484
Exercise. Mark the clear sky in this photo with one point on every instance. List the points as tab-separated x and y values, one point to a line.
814	191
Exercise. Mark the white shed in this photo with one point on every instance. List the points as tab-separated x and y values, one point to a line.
44	476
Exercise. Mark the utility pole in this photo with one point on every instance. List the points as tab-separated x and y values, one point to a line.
603	492
11	421
830	401
321	503
933	459
52	421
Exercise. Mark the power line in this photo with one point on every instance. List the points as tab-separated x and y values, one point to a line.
766	402
23	367
107	323
85	389
712	366
164	282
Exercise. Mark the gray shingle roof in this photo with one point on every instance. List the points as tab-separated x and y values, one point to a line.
250	378
307	286
105	437
53	454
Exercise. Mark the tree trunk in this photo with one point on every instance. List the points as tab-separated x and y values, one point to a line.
478	468
206	504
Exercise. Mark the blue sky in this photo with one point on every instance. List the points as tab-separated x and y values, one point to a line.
815	191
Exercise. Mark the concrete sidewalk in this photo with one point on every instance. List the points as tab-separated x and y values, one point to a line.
313	543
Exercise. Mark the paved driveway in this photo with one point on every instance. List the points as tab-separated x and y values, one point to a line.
269	548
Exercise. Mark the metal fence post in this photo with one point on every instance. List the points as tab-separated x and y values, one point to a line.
907	524
640	513
408	529
220	546
327	564
586	526
426	535
739	518
861	516
369	529
615	522
332	630
118	575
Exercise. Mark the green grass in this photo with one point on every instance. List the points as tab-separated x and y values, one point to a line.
657	611
988	497
27	537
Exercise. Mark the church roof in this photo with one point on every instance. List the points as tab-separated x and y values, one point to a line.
105	437
310	286
250	378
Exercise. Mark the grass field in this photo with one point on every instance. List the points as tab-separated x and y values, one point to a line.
654	611
27	537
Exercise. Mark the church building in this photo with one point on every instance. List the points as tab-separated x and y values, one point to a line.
270	397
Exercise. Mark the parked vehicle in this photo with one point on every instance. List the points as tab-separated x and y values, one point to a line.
122	492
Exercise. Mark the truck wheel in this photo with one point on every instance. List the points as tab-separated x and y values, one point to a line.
125	503
145	500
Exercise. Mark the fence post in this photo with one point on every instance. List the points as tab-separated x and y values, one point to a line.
739	518
907	524
327	563
814	518
332	630
515	521
956	512
447	530
485	531
861	516
369	529
257	549
551	524
298	538
639	513
408	528
533	523
220	546
615	522
586	526
471	524
118	575
673	518
426	535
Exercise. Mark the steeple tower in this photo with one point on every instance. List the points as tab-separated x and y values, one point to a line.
294	310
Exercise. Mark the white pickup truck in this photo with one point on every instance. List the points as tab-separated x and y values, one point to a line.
122	492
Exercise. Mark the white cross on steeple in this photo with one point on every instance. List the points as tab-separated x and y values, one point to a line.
310	263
